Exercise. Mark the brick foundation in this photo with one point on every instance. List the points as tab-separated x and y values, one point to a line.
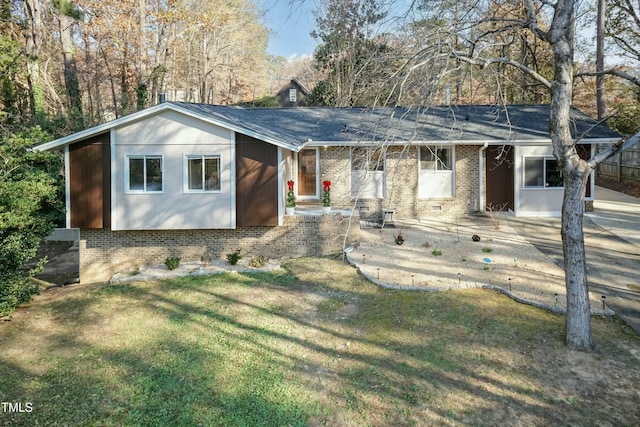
104	253
588	205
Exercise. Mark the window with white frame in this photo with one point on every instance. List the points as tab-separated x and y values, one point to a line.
436	176
202	173
367	173
144	174
293	95
435	158
542	172
367	159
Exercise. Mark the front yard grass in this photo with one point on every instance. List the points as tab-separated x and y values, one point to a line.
311	344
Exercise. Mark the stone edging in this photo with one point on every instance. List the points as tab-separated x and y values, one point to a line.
548	307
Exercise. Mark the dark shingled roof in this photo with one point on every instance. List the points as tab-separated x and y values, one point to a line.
293	128
468	124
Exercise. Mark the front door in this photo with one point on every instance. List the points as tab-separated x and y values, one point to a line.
308	172
499	174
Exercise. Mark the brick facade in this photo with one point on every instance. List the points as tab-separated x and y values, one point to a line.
104	253
402	183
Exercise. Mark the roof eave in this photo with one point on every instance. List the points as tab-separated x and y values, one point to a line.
104	127
231	126
544	141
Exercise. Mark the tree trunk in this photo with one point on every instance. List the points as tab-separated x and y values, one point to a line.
92	101
142	92
74	96
114	97
124	82
578	323
33	36
600	103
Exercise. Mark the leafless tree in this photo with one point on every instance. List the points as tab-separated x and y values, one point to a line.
480	37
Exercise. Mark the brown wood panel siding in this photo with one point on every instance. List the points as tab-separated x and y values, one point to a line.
499	178
256	182
90	183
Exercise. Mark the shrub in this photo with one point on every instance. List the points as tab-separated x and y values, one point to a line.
494	212
258	261
172	263
326	194
29	209
234	257
436	252
291	197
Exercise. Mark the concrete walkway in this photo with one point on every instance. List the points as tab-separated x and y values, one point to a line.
617	213
617	262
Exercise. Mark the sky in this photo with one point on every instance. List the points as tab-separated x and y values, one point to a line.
290	22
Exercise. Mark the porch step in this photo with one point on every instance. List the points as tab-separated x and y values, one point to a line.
310	203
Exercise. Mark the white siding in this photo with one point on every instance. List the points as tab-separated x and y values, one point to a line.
535	201
173	136
435	184
367	184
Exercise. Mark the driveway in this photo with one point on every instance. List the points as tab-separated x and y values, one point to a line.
612	240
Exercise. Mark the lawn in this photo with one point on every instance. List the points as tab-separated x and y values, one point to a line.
311	344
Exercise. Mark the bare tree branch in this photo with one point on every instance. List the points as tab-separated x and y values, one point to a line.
483	63
618	147
598	123
513	23
532	21
614	72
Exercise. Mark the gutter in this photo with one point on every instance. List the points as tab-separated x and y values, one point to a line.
304	145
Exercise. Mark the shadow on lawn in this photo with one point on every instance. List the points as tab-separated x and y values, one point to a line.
138	392
243	349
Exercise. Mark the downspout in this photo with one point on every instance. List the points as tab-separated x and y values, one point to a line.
481	177
593	152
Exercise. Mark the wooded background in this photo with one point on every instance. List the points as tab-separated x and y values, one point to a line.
87	61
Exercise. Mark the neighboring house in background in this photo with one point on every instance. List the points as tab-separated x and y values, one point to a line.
293	94
199	181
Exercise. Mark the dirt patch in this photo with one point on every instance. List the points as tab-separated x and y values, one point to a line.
629	188
441	254
634	288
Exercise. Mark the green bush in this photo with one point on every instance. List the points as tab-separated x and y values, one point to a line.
30	207
172	263
291	199
234	257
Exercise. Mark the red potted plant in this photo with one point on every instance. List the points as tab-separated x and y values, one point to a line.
291	199
326	197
